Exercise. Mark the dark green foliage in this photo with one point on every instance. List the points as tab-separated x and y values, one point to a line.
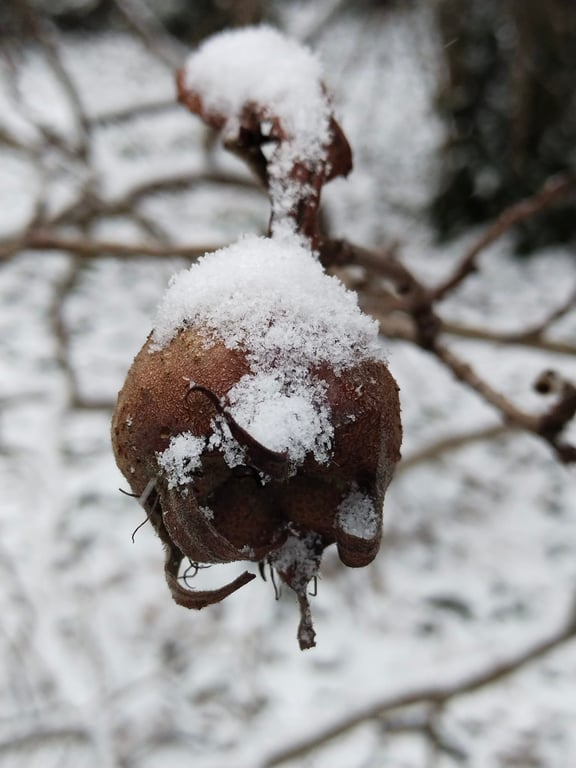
509	100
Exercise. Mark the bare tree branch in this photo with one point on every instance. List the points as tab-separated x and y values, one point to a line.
556	314
152	33
45	241
527	339
89	207
46	36
438	694
554	190
400	326
410	314
547	425
42	736
452	443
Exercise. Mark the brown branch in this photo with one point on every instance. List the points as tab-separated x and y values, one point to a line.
41	735
8	139
90	207
548	425
46	241
400	326
60	330
556	314
80	403
452	443
11	53
152	33
182	182
412	298
554	190
124	114
527	339
438	694
45	34
411	316
466	374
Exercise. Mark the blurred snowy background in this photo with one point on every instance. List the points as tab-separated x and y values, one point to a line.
106	188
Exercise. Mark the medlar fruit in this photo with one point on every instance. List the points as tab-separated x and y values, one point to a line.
260	422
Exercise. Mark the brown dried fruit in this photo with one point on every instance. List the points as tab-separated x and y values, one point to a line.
269	508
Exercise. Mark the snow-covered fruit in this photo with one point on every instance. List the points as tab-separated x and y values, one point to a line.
260	422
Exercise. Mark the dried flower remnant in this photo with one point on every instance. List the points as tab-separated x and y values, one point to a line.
260	422
260	88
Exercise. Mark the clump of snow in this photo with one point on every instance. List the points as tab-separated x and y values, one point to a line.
284	415
357	516
207	513
298	558
273	300
260	70
222	439
182	458
259	66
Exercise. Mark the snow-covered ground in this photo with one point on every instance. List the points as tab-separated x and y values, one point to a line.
98	667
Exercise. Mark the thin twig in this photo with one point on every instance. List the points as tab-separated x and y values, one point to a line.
45	136
527	339
412	316
9	140
39	735
60	329
466	374
133	112
152	33
547	425
536	331
46	36
400	326
432	694
86	248
90	207
554	190
452	443
413	297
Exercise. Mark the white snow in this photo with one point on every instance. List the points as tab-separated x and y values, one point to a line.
258	69
273	300
207	513
357	516
298	557
182	458
262	67
284	414
222	439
